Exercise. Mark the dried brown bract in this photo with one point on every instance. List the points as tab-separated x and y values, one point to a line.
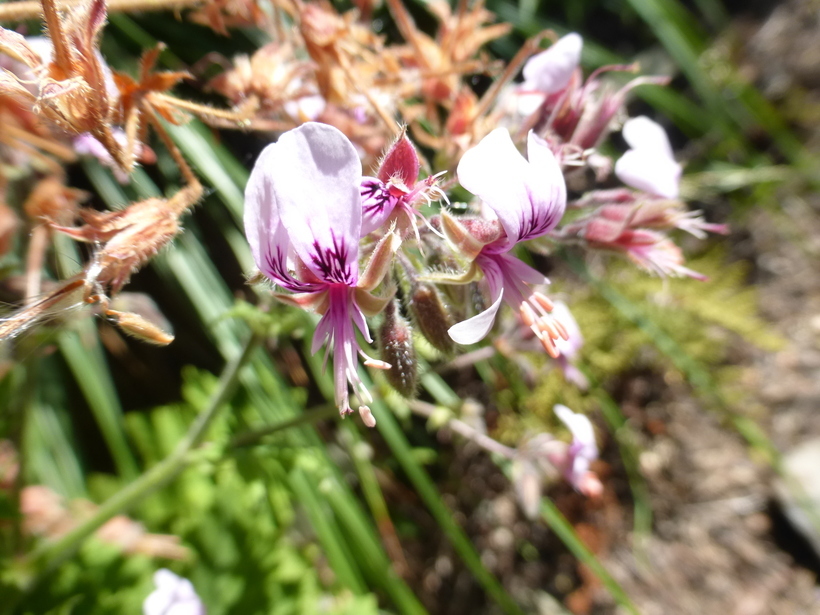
74	86
220	15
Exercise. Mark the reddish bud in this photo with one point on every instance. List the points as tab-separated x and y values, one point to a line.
469	235
400	162
396	342
431	317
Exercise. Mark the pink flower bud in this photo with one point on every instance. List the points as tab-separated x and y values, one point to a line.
400	162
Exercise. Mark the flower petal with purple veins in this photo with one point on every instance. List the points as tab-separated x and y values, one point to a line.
314	175
266	235
529	198
377	204
550	71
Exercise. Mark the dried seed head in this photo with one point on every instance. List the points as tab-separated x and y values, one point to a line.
51	200
431	316
396	342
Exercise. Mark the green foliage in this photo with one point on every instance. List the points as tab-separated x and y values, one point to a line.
251	551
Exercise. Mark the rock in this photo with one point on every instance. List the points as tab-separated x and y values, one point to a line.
798	490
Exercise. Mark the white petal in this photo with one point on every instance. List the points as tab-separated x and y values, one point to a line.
650	172
528	197
476	328
641	133
551	70
314	175
583	435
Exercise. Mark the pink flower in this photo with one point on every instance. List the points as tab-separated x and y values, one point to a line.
396	191
577	112
582	452
650	164
529	198
173	596
549	72
303	218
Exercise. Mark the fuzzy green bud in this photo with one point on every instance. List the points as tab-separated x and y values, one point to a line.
431	316
396	342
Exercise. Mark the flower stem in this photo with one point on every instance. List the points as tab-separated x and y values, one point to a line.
32	9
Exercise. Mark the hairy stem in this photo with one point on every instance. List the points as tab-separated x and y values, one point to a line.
32	9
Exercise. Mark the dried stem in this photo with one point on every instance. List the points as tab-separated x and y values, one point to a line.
194	187
463	429
34	260
509	73
47	145
32	9
62	56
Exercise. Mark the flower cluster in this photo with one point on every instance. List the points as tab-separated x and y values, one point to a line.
311	216
344	213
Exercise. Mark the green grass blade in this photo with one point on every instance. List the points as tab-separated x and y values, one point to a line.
392	433
562	528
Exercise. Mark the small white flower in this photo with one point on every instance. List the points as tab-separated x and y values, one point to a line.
173	596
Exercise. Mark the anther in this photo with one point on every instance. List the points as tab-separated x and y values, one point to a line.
544	301
367	416
376	363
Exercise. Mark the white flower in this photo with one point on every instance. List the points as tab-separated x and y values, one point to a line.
173	596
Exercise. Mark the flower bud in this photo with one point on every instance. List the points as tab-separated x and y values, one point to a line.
396	342
469	235
430	315
401	162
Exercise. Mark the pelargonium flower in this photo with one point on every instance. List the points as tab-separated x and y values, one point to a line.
173	596
303	218
396	190
550	71
649	164
529	198
577	111
570	347
582	452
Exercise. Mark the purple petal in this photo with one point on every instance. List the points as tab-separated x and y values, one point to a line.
548	190
551	70
507	274
529	198
377	204
583	435
476	328
314	176
336	328
173	596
